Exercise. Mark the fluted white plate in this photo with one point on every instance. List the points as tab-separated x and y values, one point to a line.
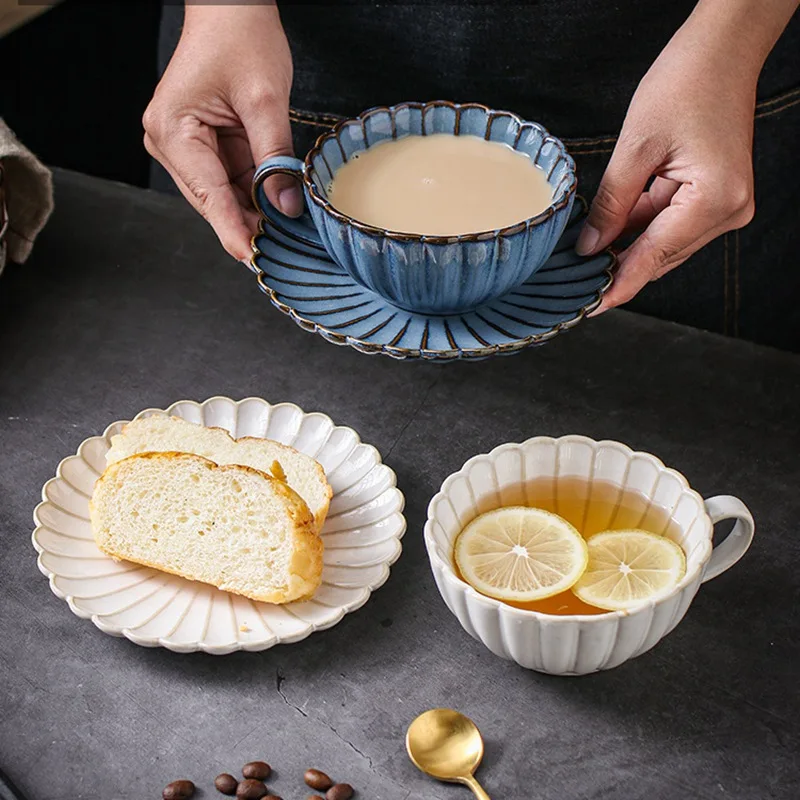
362	540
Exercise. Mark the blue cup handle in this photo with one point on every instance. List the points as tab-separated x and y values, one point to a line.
302	227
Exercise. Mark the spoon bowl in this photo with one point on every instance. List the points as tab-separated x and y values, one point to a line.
447	746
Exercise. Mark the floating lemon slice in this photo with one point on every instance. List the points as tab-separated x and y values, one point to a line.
520	554
628	568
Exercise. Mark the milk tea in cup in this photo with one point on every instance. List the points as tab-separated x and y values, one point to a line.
440	185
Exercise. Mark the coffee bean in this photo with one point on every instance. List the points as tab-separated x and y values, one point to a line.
342	791
178	790
317	780
250	789
226	783
257	769
314	797
273	797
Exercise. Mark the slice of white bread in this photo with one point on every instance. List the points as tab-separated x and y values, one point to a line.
231	526
167	433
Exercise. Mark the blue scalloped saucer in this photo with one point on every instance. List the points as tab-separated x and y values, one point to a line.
302	281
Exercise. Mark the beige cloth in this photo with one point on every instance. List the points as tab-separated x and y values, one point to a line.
13	13
26	197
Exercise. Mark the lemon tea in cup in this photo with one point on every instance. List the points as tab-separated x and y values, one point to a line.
540	470
591	507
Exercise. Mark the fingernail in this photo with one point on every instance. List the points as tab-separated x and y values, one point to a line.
587	241
290	201
598	311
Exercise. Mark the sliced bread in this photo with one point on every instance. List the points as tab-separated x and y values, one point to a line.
167	433
231	526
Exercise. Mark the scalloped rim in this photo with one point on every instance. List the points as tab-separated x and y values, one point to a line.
556	204
404	353
199	646
446	569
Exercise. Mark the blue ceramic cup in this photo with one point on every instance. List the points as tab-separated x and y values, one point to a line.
426	274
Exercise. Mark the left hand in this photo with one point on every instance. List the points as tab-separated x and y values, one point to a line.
690	124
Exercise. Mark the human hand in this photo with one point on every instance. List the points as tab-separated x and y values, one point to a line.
221	108
689	124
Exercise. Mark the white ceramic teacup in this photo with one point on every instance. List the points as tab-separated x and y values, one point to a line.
577	645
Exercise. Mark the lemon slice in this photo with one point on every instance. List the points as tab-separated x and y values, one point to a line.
628	568
520	554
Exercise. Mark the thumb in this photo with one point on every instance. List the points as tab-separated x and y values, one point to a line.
621	187
270	134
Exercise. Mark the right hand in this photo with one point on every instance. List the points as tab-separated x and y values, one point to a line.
221	108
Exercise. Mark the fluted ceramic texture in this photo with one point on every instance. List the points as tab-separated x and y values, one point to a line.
460	274
574	645
301	280
432	274
362	540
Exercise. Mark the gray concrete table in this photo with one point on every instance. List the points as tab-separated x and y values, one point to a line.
129	302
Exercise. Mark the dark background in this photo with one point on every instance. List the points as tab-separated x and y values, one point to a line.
75	81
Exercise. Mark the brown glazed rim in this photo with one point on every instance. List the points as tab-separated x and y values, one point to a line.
424	353
492	114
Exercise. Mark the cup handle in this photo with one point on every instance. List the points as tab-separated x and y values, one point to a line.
302	227
728	552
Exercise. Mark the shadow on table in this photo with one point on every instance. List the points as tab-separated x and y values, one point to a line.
721	673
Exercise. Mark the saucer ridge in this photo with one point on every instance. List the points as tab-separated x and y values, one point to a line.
301	280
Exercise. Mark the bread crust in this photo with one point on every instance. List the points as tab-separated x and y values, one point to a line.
323	513
306	564
320	515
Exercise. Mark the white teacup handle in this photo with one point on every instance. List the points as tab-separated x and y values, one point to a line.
728	552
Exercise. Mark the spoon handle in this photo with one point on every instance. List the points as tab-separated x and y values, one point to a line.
477	789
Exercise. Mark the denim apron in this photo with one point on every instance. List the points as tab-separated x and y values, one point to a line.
573	66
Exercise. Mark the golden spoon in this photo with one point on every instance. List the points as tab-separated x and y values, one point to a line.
447	746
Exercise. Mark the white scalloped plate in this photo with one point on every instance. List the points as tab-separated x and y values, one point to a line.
362	540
